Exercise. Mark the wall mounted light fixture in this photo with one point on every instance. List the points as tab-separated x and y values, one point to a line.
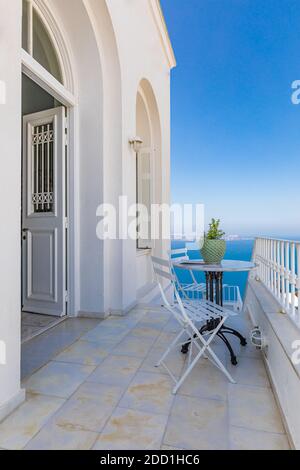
136	143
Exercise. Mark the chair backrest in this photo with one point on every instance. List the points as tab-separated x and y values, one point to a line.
179	255
163	270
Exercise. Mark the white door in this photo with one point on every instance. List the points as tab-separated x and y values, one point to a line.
43	213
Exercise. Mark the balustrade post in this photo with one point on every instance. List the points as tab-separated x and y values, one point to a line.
279	270
293	280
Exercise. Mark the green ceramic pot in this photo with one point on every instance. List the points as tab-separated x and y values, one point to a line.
213	251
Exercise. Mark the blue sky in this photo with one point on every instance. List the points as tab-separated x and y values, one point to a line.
235	132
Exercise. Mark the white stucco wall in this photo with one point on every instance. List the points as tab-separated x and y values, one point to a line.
129	49
145	283
87	168
10	203
112	46
141	57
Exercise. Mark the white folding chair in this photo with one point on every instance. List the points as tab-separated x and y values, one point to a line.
192	289
199	320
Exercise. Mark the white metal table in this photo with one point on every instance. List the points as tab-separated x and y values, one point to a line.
214	291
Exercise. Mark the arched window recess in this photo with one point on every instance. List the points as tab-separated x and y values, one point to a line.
37	41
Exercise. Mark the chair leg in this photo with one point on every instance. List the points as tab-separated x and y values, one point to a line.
210	326
206	348
220	365
229	347
232	331
174	342
188	371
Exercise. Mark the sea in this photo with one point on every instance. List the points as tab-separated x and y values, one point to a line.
239	249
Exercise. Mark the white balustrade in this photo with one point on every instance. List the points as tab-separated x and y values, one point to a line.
279	269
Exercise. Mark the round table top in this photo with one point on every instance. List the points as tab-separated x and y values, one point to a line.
225	266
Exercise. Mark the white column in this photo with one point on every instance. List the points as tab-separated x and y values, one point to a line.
10	205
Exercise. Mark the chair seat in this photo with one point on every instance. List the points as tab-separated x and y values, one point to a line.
204	310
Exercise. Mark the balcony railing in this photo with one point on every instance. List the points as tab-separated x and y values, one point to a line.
279	269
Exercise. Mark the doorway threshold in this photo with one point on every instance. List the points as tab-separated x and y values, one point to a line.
34	324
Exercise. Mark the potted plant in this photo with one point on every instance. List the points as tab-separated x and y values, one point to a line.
214	246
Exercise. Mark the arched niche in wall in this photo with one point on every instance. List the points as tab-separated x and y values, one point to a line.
149	163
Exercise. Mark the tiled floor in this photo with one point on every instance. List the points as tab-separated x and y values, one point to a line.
41	349
100	390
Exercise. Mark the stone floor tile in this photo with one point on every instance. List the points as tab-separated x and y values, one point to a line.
249	371
132	430
89	408
65	437
49	344
254	408
240	322
205	381
149	392
30	364
137	313
197	423
220	350
244	351
37	352
116	370
175	362
247	439
83	352
134	346
144	330
58	379
158	318
127	321
21	426
164	340
78	324
172	326
169	448
106	334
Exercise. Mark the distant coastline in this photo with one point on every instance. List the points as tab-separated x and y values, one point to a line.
232	238
192	239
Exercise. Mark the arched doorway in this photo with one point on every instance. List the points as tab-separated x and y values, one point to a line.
148	179
46	109
94	135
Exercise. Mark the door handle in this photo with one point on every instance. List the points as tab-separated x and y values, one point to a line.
24	233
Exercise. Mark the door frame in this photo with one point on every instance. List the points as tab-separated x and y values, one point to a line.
33	70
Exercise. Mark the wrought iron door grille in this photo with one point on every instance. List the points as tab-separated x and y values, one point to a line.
43	168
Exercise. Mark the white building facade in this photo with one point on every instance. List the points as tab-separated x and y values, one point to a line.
78	80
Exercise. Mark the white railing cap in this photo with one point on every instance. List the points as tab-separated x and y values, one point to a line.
278	240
